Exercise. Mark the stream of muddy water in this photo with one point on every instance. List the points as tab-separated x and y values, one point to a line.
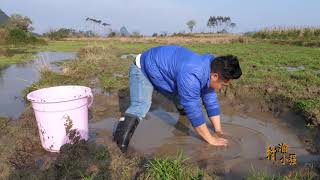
15	78
168	133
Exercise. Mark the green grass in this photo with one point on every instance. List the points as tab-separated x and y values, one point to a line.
305	36
26	53
64	46
295	175
304	33
14	55
171	169
49	78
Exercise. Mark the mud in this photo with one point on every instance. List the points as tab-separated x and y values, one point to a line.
15	78
22	156
249	124
250	131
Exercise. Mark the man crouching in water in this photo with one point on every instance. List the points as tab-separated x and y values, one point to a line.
181	73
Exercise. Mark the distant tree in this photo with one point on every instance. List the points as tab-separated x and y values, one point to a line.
60	33
163	33
94	20
105	24
154	34
97	22
89	33
221	23
136	34
113	33
233	25
224	24
18	36
212	22
124	31
21	22
191	24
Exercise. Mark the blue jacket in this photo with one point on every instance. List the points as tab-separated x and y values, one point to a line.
179	71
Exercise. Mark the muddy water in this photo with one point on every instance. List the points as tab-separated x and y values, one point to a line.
15	78
167	133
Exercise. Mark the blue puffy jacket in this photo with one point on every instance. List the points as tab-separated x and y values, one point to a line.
179	71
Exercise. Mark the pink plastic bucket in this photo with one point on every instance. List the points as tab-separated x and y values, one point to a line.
59	110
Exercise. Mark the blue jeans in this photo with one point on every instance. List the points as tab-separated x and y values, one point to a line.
140	93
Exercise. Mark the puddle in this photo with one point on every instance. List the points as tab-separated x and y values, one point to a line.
292	69
166	133
126	56
15	78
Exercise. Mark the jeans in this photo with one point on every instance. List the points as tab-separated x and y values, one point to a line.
140	93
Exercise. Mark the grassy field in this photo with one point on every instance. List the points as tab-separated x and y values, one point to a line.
284	73
301	36
268	69
10	54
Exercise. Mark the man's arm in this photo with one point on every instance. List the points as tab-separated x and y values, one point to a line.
211	102
189	92
215	120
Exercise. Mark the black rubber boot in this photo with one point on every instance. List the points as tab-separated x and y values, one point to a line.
124	132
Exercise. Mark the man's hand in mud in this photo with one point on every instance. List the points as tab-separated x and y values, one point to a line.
218	141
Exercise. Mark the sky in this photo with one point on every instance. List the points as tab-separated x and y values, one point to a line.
149	16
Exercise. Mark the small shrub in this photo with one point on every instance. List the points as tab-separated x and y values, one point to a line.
58	34
17	36
112	34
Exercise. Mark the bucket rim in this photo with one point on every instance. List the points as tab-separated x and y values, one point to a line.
32	99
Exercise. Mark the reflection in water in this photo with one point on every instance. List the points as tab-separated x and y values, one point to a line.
15	78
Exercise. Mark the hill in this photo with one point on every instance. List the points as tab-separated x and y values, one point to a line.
3	17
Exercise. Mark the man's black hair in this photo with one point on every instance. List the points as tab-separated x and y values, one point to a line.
227	67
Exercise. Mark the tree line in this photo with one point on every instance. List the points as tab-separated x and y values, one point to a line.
218	24
18	24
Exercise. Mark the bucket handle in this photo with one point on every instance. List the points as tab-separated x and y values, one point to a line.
90	97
